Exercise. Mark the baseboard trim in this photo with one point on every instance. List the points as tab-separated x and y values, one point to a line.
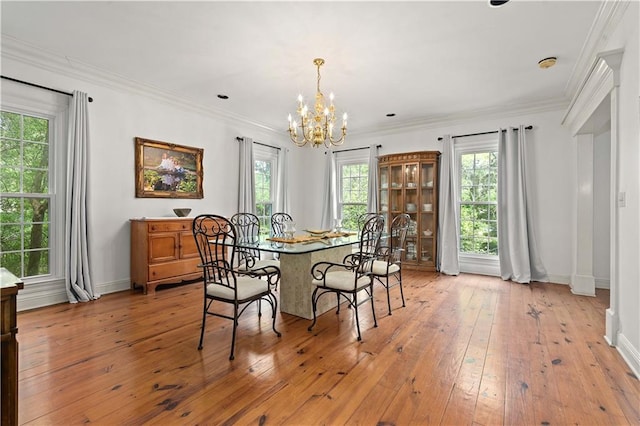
630	354
583	285
52	293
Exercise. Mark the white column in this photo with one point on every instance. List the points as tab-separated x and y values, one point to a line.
582	281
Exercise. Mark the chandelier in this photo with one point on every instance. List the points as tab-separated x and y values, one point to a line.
317	126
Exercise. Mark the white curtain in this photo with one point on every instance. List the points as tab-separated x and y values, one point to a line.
330	193
448	230
517	249
246	195
372	189
283	202
77	275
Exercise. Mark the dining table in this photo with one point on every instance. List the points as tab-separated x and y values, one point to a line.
297	255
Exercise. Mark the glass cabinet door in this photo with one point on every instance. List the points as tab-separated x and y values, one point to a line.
427	213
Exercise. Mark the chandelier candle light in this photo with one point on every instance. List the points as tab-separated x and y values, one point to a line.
316	127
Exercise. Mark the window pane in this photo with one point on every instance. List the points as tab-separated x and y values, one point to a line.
36	155
36	262
36	236
10	238
35	181
9	210
36	210
10	178
10	154
12	262
10	125
36	129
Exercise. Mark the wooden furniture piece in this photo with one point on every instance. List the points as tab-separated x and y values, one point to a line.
9	287
409	184
163	251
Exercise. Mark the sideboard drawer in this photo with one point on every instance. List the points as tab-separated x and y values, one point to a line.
170	226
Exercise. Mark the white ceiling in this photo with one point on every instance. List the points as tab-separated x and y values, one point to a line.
424	61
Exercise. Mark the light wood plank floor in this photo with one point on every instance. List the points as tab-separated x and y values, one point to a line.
467	350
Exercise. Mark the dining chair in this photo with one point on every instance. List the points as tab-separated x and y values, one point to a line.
248	228
278	223
351	277
216	238
387	268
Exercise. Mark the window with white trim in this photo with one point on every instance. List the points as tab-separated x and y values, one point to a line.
31	170
478	201
353	181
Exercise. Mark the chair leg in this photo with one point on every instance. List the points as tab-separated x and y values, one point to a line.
314	302
400	284
373	308
233	334
338	303
386	284
204	321
355	308
274	309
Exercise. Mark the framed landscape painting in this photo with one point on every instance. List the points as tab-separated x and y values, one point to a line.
166	170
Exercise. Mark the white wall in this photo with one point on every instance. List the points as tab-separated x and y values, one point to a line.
116	116
627	36
551	172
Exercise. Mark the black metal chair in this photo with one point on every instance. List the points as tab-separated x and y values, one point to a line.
352	276
277	223
387	268
248	228
216	238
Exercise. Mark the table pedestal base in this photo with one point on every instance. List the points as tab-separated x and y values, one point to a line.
296	281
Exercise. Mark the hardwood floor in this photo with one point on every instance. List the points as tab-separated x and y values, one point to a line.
465	350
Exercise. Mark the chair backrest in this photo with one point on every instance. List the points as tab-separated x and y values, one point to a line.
247	227
363	218
397	237
370	235
215	238
277	222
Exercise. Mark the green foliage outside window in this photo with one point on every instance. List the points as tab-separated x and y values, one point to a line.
354	181
478	203
24	183
263	172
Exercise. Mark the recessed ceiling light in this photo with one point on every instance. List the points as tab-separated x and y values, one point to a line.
223	96
547	62
391	114
497	3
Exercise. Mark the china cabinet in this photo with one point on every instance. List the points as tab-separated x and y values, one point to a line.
409	184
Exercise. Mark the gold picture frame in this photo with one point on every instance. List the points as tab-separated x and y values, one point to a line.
167	170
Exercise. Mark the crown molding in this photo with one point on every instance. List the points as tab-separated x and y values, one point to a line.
605	23
37	57
435	122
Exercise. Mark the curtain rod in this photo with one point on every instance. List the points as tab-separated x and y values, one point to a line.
483	133
355	149
41	87
238	138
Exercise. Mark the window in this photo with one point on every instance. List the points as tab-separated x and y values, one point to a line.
265	167
26	200
353	183
478	201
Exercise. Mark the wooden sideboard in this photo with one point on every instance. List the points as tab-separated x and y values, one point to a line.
163	251
9	287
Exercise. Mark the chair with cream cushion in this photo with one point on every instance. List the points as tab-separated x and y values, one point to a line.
216	239
387	268
353	276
